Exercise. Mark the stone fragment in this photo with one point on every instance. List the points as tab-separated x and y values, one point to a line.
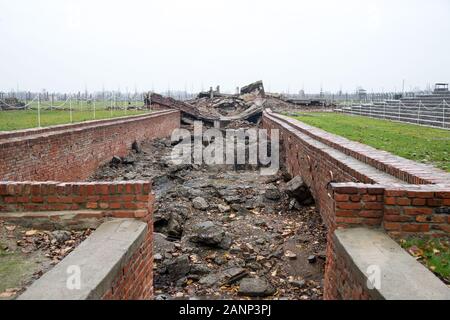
272	193
136	147
290	255
223	208
297	189
200	203
61	236
256	287
312	259
209	234
178	267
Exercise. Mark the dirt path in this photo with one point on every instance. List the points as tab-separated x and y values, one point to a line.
222	233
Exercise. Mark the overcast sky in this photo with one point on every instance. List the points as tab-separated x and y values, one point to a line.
64	45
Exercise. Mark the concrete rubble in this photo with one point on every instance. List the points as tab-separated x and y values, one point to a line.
214	107
227	110
226	231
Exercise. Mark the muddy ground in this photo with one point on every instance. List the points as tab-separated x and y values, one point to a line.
26	254
226	233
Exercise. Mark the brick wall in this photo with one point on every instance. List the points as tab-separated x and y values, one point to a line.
417	209
103	200
350	192
135	280
319	166
355	185
341	282
358	204
111	199
74	152
406	170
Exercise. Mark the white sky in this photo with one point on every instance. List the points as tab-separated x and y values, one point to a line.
65	45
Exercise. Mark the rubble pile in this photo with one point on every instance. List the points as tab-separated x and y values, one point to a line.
222	106
227	232
11	104
214	106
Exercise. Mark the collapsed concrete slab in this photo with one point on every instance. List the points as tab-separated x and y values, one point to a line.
214	107
256	87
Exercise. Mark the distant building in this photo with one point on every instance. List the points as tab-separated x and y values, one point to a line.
441	88
361	93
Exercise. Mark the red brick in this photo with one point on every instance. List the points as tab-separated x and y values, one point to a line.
122	214
130	205
104	205
90	189
115	205
346	213
443	227
420	194
392	226
397	218
348	190
339	197
92	205
443	194
415	227
376	191
434	202
419	202
395	193
371	214
348	205
10	199
140	213
418	211
369	198
144	198
23	199
423	218
392	211
403	201
348	220
37	199
374	206
439	218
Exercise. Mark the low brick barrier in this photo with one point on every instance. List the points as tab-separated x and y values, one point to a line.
74	152
355	185
30	158
366	264
400	210
111	199
122	247
48	204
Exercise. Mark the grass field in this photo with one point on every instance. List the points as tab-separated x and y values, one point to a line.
433	253
422	144
24	119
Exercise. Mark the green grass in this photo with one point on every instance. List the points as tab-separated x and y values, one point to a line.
24	119
13	268
434	253
422	144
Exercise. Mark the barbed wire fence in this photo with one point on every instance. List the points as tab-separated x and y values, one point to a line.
74	108
437	115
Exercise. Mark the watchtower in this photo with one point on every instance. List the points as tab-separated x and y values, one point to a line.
441	88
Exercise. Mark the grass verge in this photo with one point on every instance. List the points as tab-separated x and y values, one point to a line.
24	119
433	253
418	143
